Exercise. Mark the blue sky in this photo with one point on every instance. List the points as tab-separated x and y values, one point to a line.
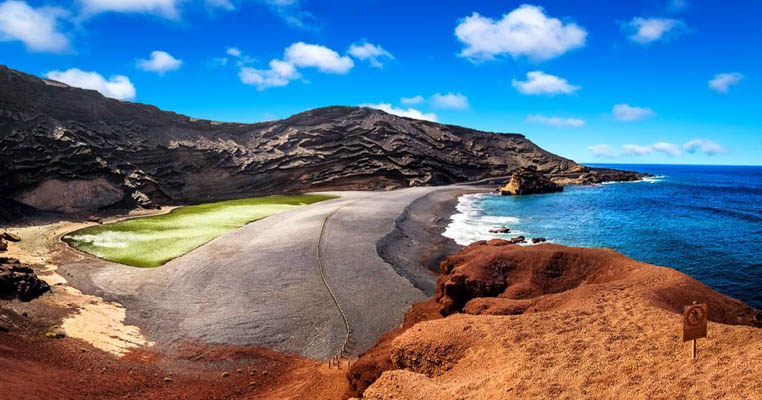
655	81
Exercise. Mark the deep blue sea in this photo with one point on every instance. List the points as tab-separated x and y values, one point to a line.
705	221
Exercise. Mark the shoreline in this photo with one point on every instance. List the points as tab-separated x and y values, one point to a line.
353	268
416	245
411	248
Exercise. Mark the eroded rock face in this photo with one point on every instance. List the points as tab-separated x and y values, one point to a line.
72	196
56	133
19	281
529	181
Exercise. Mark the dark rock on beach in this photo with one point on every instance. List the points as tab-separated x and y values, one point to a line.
518	239
501	229
19	281
538	240
11	237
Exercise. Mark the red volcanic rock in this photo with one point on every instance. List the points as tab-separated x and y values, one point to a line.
497	278
550	321
377	359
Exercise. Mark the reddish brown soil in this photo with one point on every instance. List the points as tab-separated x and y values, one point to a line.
550	321
378	359
35	367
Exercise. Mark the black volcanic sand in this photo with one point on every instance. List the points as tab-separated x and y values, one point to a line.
416	245
259	286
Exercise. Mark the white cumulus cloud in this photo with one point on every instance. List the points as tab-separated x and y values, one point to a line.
164	8
409	113
160	62
37	28
636	150
233	51
556	121
648	30
628	113
298	55
707	146
412	100
369	52
450	100
603	150
279	74
539	82
722	82
526	31
324	59
669	149
117	87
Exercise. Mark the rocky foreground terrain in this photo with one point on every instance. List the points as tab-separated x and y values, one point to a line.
103	152
550	321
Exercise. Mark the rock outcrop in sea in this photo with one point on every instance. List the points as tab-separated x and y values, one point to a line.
527	180
102	152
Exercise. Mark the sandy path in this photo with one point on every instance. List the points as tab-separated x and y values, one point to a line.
98	322
258	285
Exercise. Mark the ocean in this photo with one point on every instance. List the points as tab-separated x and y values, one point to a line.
705	221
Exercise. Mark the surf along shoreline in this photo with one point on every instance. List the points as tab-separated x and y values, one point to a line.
416	240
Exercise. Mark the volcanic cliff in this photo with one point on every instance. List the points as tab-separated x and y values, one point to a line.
551	321
69	149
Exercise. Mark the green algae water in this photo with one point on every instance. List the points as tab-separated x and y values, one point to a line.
152	241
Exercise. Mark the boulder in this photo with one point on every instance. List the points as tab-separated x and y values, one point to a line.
19	281
527	180
500	229
538	240
11	237
518	239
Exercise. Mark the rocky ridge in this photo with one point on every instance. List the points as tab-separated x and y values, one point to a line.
102	152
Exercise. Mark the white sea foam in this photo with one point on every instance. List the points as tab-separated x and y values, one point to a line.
469	224
648	179
654	179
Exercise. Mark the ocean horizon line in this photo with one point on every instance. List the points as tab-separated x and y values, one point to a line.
672	164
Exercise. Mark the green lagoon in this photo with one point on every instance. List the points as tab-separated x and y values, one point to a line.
154	240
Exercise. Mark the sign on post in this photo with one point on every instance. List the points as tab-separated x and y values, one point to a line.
694	324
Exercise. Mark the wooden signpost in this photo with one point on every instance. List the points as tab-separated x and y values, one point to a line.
694	324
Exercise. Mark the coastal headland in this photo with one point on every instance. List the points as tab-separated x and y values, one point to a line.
592	313
355	295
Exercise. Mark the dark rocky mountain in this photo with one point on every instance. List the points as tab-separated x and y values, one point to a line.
69	149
